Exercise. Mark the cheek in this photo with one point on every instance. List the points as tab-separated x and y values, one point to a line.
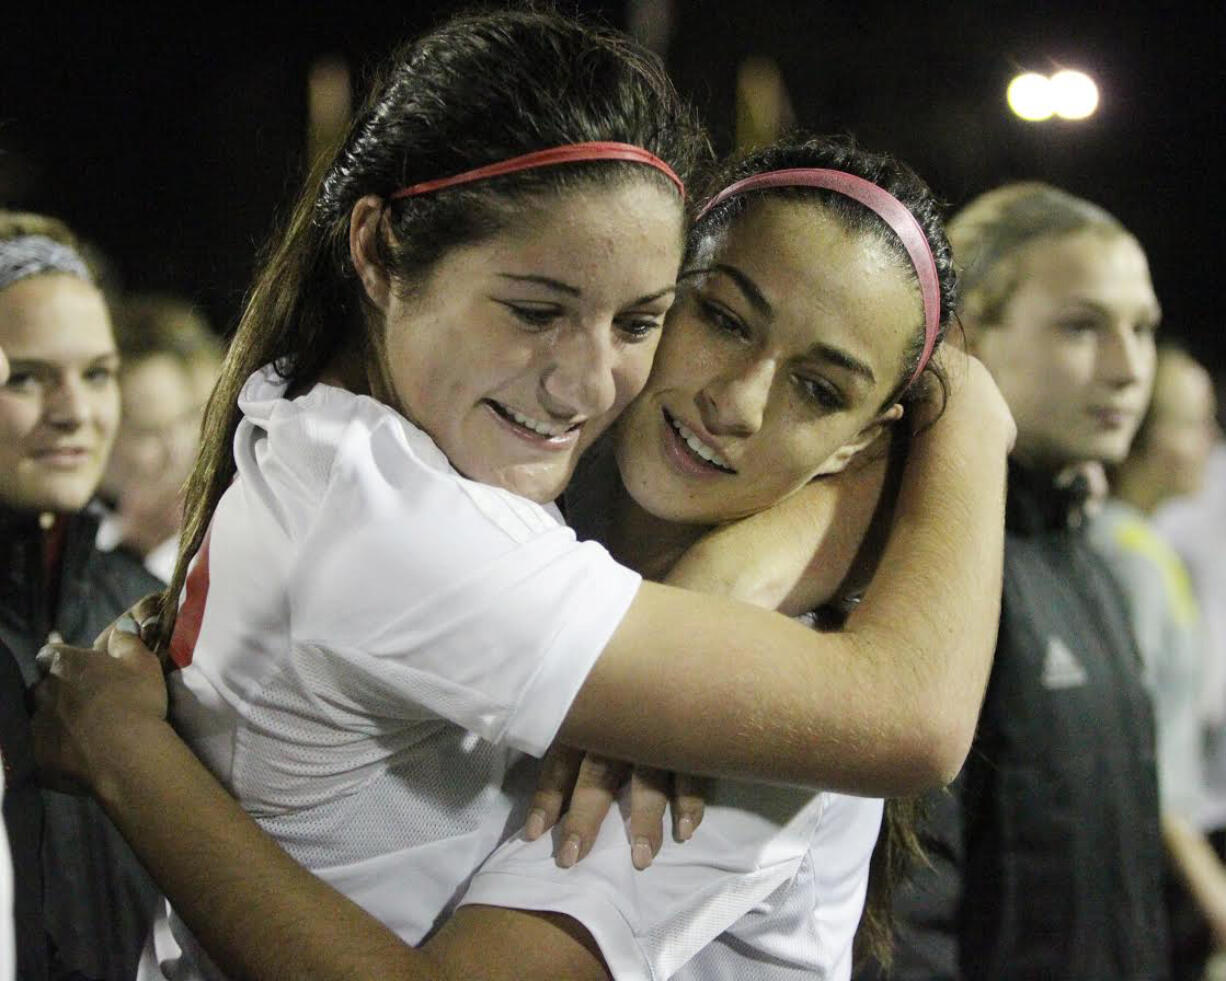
17	419
634	371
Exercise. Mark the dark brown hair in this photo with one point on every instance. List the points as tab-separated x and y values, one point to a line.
479	89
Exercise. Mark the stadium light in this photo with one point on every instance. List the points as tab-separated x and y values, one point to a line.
1068	94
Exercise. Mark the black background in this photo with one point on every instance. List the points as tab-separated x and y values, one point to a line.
174	137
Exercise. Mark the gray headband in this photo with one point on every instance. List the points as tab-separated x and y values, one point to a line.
32	255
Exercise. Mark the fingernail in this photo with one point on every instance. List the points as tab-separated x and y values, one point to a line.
640	853
44	656
685	828
569	853
534	827
127	624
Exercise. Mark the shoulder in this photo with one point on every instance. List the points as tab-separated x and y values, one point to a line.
331	445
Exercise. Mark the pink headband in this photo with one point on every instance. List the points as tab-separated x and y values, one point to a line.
572	153
882	203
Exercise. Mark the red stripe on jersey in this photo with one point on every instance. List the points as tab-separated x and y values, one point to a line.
191	613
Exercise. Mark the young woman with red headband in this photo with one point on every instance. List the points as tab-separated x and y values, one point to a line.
388	615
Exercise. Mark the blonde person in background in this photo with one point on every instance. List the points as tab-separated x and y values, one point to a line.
84	903
1168	459
1047	855
169	363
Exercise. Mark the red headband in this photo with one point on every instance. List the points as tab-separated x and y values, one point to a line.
882	203
572	153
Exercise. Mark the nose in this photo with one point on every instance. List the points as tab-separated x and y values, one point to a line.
580	377
66	405
1126	356
735	403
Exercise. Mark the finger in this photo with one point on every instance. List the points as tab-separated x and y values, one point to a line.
60	660
148	613
559	770
688	805
131	650
649	790
595	790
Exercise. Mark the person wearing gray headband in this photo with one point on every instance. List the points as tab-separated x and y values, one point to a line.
82	903
34	255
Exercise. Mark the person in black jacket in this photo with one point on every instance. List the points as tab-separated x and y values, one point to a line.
82	903
1047	854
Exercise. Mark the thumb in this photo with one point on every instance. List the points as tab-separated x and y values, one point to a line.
126	646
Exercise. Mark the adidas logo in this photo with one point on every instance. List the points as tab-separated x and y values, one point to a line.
1060	668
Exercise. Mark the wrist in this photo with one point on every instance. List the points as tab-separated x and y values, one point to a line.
115	757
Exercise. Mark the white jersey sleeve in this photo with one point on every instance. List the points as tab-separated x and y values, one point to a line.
416	588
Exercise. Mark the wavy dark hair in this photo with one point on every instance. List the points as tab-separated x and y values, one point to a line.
480	88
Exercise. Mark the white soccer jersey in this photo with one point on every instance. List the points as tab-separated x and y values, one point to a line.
770	888
377	636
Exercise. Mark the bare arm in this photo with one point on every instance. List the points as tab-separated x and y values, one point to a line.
886	707
259	914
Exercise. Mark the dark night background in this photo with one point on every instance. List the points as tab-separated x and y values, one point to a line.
173	138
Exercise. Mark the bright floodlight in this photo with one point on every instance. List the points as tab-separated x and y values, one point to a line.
1030	97
1073	94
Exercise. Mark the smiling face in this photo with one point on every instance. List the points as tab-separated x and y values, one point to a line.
60	406
517	352
784	342
1074	351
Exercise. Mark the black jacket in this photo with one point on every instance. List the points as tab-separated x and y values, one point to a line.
83	903
1047	850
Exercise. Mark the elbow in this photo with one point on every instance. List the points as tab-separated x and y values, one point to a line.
929	754
947	743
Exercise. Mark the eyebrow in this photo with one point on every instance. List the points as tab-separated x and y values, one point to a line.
27	363
747	286
824	352
1154	312
844	360
560	287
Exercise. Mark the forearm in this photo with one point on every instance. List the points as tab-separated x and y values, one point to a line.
886	708
232	884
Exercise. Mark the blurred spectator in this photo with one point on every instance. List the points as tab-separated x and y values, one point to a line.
8	951
1046	854
1168	459
83	904
1195	524
169	361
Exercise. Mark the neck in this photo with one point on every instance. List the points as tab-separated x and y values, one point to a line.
646	543
1133	486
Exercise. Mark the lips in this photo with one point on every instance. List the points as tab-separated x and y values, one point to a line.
1111	418
690	453
62	457
548	435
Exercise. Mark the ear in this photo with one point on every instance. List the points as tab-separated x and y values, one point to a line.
838	460
365	227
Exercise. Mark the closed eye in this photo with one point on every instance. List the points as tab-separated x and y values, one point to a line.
534	316
639	328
